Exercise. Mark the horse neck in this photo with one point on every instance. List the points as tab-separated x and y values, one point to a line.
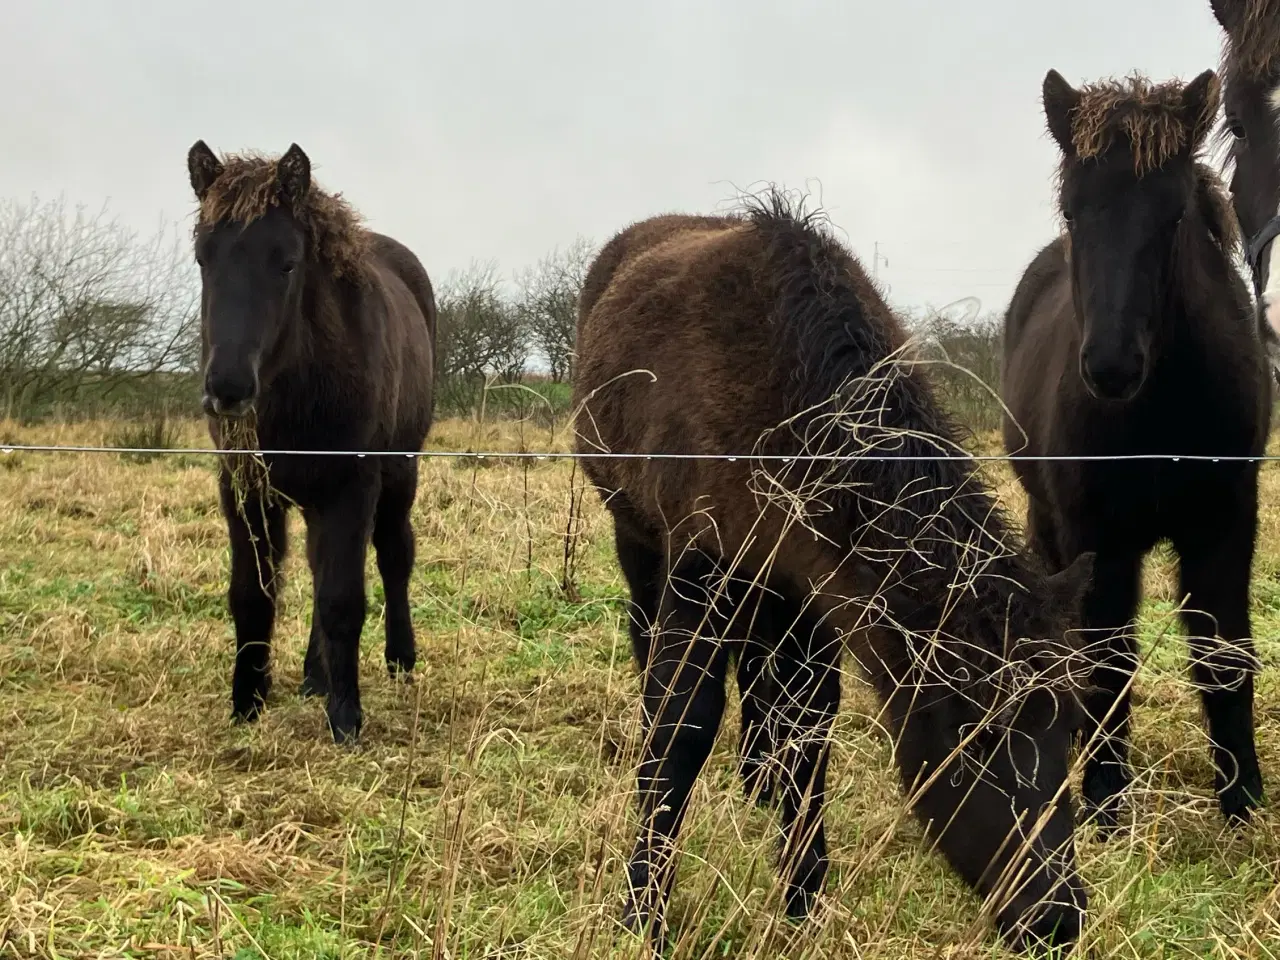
316	340
974	578
1203	284
323	327
983	625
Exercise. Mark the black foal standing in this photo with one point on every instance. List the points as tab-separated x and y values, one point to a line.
1133	335
319	334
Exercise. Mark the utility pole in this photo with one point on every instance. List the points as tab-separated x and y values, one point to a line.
875	263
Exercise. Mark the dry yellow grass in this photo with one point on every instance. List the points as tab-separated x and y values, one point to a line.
488	810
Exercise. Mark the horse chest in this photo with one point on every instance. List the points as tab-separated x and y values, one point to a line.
1144	501
313	480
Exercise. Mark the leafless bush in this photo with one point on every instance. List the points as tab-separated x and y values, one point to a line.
965	367
480	337
549	302
87	304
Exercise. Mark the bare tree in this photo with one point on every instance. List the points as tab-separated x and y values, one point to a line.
549	302
85	300
480	334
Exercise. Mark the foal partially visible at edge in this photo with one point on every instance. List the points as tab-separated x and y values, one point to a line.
702	335
1133	334
1251	101
317	334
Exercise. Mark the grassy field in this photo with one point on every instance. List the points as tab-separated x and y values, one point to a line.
488	811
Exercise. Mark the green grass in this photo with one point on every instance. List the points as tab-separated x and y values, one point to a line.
488	811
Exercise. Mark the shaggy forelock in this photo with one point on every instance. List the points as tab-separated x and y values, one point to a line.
247	188
1150	116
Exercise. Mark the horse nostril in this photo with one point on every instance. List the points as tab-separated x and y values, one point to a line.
1112	377
229	393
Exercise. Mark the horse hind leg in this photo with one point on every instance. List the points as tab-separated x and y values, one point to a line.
745	613
394	545
756	693
315	675
683	703
766	619
641	566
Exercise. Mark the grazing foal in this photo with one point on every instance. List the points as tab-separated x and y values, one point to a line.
1132	334
728	335
317	335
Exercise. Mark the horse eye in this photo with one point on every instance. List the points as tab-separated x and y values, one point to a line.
287	267
1236	128
1066	216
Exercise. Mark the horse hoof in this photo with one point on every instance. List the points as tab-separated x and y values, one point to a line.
400	670
1238	804
246	712
310	687
800	905
345	721
640	922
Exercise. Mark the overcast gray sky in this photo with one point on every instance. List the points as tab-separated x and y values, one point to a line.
481	129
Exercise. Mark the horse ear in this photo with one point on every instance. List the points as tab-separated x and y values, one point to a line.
1228	13
203	167
1200	104
1060	99
1067	587
293	173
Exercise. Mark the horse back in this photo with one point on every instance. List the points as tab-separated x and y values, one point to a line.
403	294
1048	268
405	264
674	356
631	242
1040	346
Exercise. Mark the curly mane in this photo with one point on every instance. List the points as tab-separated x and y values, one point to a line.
1150	115
1253	45
247	188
